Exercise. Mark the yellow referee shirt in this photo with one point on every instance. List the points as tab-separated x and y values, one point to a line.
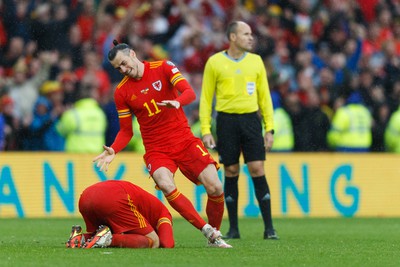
240	86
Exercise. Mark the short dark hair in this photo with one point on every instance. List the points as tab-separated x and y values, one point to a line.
119	47
232	27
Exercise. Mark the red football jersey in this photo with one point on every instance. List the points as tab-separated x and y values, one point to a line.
122	206
161	127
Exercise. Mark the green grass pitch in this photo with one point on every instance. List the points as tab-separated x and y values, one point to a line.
304	242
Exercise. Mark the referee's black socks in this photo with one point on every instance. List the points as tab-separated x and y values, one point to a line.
264	200
231	199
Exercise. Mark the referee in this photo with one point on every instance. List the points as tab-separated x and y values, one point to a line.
238	79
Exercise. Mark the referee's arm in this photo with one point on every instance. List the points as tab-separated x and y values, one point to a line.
264	101
206	99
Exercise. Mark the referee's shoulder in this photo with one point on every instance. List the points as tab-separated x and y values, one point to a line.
254	59
215	58
253	55
218	54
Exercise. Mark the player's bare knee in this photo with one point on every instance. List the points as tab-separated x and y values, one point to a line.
166	187
214	189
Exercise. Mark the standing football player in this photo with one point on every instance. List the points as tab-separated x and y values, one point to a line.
155	92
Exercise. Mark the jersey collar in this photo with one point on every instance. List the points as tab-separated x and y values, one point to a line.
231	58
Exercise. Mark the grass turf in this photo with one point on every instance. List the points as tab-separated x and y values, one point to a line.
304	242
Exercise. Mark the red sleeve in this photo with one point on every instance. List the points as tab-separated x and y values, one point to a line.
125	125
124	135
187	94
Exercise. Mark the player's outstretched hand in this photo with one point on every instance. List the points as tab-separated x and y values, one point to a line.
169	104
105	158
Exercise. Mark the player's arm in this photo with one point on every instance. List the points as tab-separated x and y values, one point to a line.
125	132
264	99
206	98
265	105
121	140
187	94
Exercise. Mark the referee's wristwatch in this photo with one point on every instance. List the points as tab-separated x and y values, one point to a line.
272	131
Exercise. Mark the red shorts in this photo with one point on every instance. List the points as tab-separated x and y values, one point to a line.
122	206
190	156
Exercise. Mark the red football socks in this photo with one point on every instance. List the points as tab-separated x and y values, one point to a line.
215	210
185	208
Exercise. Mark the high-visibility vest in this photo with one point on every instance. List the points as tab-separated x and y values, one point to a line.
351	129
83	127
392	133
283	128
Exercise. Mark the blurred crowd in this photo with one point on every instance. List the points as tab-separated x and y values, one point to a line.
56	85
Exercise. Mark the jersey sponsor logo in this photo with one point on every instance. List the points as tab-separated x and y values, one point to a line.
170	63
145	91
175	70
157	85
251	86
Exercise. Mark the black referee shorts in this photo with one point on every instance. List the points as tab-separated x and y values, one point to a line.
237	133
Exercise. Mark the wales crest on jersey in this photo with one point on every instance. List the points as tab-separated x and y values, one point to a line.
157	85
